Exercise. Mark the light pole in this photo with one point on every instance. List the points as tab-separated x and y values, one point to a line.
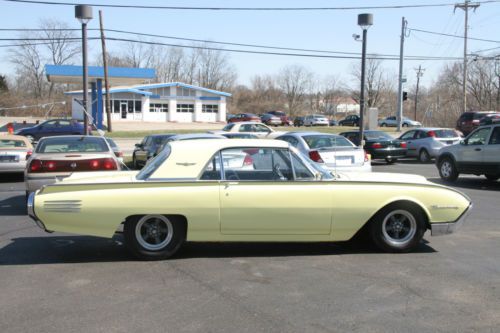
84	14
364	21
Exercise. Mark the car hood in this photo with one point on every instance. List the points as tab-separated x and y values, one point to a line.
380	177
94	177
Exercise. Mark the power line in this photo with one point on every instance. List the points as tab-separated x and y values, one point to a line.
244	8
229	43
454	36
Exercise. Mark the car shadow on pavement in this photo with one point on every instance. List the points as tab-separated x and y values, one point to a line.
13	206
85	249
469	183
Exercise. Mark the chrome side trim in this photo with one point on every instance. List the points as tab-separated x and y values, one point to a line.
62	206
445	228
31	212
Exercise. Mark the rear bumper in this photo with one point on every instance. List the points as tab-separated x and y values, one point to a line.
34	183
366	167
388	152
31	212
446	228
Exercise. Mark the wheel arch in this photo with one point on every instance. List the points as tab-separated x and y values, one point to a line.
175	217
446	155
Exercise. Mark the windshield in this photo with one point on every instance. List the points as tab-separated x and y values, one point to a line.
377	135
445	133
228	127
154	164
75	144
326	141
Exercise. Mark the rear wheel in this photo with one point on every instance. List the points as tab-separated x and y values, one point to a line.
447	169
405	125
154	237
398	228
382	125
491	177
424	156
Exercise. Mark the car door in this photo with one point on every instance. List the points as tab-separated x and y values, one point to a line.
411	142
273	198
470	155
141	154
491	153
65	127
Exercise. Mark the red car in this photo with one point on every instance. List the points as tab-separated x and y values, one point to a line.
244	117
285	120
469	121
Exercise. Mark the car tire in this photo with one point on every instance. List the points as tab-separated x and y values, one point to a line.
424	156
390	160
383	125
405	125
491	177
135	165
31	138
447	169
398	228
154	237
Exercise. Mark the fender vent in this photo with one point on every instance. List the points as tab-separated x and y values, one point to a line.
62	206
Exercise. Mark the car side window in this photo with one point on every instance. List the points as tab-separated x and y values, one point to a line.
495	136
261	128
478	137
301	172
212	170
290	139
408	135
50	124
64	123
246	128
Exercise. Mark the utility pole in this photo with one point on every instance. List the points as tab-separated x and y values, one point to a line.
465	7
400	79
106	81
420	72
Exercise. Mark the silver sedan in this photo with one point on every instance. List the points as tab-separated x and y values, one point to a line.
425	143
14	152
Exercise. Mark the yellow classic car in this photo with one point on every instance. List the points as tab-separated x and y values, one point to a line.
245	190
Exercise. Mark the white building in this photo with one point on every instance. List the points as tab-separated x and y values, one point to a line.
175	102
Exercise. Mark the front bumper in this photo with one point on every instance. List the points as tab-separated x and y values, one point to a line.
31	212
446	228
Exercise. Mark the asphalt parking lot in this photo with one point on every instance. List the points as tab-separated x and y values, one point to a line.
64	283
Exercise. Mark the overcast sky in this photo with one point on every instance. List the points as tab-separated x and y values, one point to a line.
323	30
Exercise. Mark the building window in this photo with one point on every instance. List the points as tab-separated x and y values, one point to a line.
130	106
186	92
210	108
138	106
157	107
116	106
185	108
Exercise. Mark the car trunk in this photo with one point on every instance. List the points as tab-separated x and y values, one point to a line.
12	155
342	156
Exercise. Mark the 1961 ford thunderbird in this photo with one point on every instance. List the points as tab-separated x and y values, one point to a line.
245	191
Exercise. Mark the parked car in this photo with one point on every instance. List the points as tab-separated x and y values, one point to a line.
333	122
333	152
392	121
477	154
14	152
53	127
285	120
298	121
352	120
315	120
425	143
58	157
283	198
240	136
270	120
468	121
147	148
116	150
379	145
493	118
260	130
244	117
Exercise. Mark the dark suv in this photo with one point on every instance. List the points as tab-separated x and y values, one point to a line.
52	127
469	121
148	148
352	120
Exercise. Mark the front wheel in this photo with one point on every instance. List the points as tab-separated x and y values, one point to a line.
447	170
154	237
398	228
382	125
405	125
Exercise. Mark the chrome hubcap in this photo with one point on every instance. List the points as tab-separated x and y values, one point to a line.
446	169
154	232
399	227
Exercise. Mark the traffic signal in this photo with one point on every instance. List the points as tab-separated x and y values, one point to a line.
405	95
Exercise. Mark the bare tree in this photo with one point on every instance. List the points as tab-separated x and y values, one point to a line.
294	81
377	83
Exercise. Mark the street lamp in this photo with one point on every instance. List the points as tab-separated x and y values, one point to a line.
364	21
84	14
